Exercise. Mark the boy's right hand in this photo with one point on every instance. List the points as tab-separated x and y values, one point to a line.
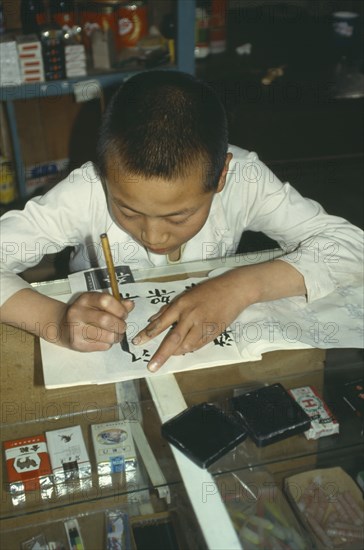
94	322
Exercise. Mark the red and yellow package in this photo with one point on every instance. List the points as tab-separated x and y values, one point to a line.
27	463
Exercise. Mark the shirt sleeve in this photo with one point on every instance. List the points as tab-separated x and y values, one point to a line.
47	225
327	250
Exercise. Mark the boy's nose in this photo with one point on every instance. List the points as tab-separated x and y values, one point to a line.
152	234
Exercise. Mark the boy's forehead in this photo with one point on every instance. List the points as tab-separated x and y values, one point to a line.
119	176
156	196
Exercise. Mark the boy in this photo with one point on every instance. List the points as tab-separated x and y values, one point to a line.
167	188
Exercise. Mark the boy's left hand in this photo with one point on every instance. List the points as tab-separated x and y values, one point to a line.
196	317
200	314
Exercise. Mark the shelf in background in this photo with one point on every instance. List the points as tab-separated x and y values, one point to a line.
66	87
185	10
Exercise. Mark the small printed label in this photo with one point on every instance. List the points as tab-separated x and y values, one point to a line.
117	464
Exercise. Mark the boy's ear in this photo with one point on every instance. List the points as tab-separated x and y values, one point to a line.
224	172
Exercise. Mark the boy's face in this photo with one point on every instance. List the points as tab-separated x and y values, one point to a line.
161	215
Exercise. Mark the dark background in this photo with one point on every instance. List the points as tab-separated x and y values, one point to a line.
307	125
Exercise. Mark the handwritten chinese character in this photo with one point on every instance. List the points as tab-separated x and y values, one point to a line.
127	296
160	296
224	339
125	347
146	356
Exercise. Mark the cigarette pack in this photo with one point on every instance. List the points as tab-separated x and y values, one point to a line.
117	530
30	49
323	421
114	447
68	454
27	464
73	533
9	63
75	60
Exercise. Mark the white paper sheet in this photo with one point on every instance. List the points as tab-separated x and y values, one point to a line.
332	322
63	367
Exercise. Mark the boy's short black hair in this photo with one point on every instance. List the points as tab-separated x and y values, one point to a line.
160	123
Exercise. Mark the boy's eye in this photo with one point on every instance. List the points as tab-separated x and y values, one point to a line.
129	215
178	222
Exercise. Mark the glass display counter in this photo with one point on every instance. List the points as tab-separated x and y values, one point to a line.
165	487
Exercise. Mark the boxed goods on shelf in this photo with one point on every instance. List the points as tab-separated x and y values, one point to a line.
10	74
330	505
75	58
27	463
30	57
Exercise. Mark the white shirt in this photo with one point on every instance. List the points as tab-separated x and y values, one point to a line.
324	249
